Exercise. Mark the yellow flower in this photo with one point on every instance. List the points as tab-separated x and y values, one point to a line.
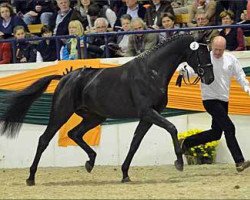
207	150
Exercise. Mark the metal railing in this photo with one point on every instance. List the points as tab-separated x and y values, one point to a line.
85	37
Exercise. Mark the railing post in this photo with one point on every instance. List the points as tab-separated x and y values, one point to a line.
85	50
106	46
13	45
57	48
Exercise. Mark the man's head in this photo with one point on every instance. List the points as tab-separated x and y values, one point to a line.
218	46
137	24
63	5
101	25
201	19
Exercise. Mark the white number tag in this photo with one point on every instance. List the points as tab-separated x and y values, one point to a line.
194	46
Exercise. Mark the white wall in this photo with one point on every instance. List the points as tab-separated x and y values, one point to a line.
156	147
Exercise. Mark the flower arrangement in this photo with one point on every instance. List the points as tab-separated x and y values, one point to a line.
202	154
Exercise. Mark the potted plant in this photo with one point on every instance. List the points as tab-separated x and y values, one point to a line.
202	154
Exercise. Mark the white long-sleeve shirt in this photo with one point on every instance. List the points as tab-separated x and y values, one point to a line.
224	69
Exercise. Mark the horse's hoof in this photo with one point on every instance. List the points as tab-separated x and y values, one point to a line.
30	182
88	167
178	165
126	180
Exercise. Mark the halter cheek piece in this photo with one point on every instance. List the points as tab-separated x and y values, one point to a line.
194	46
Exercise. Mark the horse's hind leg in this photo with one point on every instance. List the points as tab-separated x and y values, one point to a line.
140	132
90	121
57	119
155	118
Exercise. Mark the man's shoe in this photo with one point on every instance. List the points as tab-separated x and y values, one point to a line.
242	166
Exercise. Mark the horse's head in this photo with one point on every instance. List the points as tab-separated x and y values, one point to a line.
198	57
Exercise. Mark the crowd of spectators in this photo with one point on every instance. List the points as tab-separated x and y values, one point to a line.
65	17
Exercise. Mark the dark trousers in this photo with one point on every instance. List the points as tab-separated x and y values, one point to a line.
220	122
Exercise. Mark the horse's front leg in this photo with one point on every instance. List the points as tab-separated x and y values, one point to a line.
140	131
154	117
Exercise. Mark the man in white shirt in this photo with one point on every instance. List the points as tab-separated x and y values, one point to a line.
215	100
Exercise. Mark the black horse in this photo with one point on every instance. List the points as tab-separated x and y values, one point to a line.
137	89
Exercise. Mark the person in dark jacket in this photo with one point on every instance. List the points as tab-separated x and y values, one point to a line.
133	8
39	11
60	20
155	11
46	49
8	20
25	51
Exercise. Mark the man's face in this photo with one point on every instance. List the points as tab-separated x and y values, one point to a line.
63	5
201	20
101	27
137	26
218	49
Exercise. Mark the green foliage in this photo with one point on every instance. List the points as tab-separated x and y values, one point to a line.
202	154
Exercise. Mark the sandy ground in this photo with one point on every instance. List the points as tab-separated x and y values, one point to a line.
218	181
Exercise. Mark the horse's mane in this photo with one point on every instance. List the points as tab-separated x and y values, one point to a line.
164	43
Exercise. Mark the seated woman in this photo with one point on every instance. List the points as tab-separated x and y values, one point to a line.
167	22
8	20
70	50
233	36
25	52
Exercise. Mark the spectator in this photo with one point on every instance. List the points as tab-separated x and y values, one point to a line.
5	51
133	8
122	40
21	7
60	20
154	12
70	50
39	11
81	13
116	5
235	6
245	17
202	20
167	22
139	43
25	52
96	11
46	49
205	5
233	36
96	44
8	20
181	6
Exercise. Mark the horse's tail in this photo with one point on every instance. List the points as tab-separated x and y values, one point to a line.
19	104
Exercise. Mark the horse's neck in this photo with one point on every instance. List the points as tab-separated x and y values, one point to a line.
166	67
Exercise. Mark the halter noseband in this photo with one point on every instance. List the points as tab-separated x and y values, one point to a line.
200	70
